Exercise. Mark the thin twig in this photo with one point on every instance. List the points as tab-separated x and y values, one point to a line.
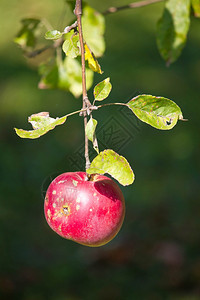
109	104
75	112
92	107
86	102
112	10
36	52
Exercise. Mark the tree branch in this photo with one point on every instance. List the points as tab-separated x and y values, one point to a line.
112	10
86	102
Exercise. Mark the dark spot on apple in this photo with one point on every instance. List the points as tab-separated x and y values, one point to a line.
66	210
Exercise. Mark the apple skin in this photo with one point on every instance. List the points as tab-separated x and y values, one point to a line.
89	212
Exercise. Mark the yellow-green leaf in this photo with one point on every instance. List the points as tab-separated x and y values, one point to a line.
93	30
41	124
102	89
90	132
90	129
27	36
53	35
92	61
112	163
71	44
158	112
172	29
65	75
196	7
74	72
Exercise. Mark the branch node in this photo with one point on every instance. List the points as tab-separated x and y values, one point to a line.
87	101
69	28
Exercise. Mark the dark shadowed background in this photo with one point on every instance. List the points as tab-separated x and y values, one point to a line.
156	255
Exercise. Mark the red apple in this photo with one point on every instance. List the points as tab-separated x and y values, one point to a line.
89	212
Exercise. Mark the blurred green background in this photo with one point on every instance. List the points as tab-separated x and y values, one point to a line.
156	254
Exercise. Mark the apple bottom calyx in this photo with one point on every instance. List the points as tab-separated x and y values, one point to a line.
89	211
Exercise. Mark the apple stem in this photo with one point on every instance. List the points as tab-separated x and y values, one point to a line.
86	102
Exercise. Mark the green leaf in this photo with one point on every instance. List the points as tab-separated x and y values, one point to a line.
50	76
65	75
53	35
41	124
196	7
93	30
102	89
158	112
90	132
92	61
74	72
26	37
112	163
30	23
90	129
172	29
54	76
71	44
